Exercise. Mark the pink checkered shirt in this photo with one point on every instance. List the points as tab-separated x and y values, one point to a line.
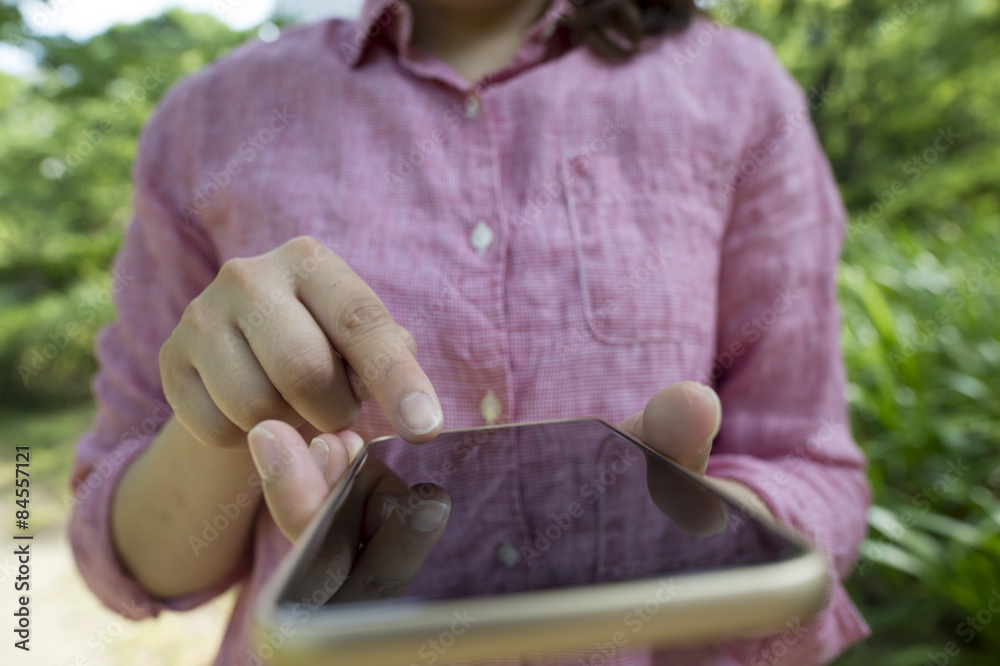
563	238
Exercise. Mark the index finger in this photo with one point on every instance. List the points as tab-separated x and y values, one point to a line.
363	332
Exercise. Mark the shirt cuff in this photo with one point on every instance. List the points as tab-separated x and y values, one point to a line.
838	624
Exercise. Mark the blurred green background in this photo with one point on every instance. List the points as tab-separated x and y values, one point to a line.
907	96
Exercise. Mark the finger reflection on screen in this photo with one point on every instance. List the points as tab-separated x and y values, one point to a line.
532	507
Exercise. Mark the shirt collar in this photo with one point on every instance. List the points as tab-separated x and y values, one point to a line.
393	20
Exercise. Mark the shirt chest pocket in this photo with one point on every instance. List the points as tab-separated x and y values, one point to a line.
647	259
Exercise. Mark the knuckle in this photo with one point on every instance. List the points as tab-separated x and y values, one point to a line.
172	391
217	433
303	245
309	371
360	316
165	358
240	273
305	249
258	407
172	376
197	316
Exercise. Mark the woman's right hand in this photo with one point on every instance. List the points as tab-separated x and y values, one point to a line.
293	335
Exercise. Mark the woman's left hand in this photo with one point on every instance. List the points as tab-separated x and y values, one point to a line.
681	422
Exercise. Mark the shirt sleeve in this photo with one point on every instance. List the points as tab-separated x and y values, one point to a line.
779	370
165	260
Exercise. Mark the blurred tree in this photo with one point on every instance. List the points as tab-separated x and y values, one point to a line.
907	93
67	140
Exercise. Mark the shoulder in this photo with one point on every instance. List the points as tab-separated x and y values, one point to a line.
735	75
262	73
717	55
300	49
709	44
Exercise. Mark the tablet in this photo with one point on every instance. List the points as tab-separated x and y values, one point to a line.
606	567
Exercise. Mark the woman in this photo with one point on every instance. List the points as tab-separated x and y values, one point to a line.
575	211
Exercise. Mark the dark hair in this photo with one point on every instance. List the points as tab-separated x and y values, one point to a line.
613	29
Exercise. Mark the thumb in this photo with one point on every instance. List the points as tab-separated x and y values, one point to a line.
680	423
295	477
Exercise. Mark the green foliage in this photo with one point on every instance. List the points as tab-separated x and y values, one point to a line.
67	141
51	436
918	283
908	96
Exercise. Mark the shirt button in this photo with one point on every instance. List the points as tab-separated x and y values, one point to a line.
471	105
482	237
490	407
508	553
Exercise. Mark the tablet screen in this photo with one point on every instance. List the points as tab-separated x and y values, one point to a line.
538	507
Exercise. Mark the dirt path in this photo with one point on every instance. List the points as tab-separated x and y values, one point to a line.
70	627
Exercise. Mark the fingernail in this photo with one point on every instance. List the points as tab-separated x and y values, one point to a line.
320	452
265	451
429	516
353	442
420	413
